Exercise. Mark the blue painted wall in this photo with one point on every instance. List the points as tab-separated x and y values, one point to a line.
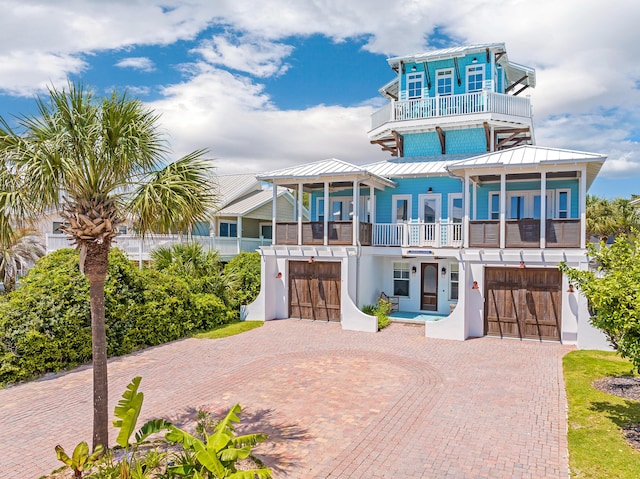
484	190
469	140
422	144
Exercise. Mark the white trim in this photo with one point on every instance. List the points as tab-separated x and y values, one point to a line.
441	73
450	282
262	224
438	207
228	222
529	202
480	68
490	210
451	198
557	208
407	279
394	207
415	77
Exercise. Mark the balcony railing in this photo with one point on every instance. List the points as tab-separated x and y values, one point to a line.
339	233
138	248
525	233
564	233
418	234
450	105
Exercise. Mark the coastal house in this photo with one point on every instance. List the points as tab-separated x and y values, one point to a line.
462	227
241	221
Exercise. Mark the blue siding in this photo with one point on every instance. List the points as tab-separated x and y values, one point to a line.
442	185
484	190
471	140
422	144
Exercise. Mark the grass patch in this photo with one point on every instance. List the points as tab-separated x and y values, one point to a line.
230	329
597	448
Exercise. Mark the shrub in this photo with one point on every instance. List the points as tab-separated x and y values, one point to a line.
381	311
245	269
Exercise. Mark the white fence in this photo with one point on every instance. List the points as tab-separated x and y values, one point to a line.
439	106
140	249
417	234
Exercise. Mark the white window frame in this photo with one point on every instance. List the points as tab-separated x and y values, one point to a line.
443	74
473	70
399	266
452	197
415	78
228	222
491	212
528	196
261	225
434	196
394	207
320	209
451	280
58	231
559	191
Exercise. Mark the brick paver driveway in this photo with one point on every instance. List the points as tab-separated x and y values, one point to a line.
337	404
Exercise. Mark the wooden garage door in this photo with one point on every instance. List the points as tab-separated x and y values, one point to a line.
314	290
523	303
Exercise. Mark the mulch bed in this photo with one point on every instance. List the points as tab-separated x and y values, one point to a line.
627	387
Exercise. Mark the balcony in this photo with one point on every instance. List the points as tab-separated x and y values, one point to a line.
339	233
452	105
525	233
434	235
139	249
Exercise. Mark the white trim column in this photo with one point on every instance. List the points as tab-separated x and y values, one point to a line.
274	212
239	233
355	219
475	200
543	209
325	227
503	209
372	206
583	207
299	212
465	220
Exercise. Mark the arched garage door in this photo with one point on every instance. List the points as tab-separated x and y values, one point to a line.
314	290
523	303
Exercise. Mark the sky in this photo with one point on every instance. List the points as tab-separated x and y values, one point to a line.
268	84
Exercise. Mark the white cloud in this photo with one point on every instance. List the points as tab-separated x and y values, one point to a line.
137	63
257	57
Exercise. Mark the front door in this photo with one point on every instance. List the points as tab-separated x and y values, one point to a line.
429	288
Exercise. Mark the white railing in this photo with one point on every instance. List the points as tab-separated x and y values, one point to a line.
140	249
433	235
439	106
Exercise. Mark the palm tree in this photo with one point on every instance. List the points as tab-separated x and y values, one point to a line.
606	218
19	249
97	163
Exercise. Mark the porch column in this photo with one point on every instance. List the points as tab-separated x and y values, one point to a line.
503	208
325	213
475	200
274	211
355	219
299	212
543	209
372	212
583	207
239	238
465	219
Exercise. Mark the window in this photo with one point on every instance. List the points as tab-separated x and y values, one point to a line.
228	229
475	77
516	210
526	204
266	230
57	225
494	206
444	82
122	230
201	228
454	275
455	208
401	279
563	202
401	208
414	85
320	209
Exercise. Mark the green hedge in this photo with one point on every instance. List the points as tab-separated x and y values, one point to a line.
45	325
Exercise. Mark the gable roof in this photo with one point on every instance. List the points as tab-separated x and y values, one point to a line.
532	157
232	187
250	202
324	170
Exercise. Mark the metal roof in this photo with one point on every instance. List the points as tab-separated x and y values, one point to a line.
231	187
420	166
532	157
324	169
250	202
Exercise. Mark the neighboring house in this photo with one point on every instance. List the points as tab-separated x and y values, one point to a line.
465	227
242	221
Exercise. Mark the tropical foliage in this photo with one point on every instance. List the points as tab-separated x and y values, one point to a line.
98	161
613	293
609	218
19	249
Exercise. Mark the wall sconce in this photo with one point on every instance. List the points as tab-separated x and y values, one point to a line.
475	285
414	270
474	61
311	260
430	190
279	275
443	271
522	265
414	68
571	290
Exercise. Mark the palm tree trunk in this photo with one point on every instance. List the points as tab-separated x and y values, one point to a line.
95	268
